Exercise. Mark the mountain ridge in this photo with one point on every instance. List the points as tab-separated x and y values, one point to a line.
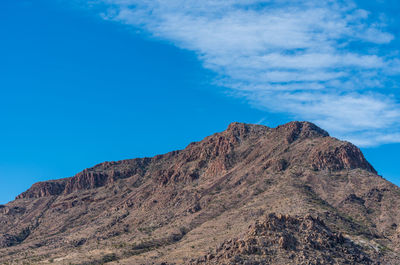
173	208
89	178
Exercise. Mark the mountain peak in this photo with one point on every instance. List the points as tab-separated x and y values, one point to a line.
293	130
239	129
173	207
301	129
217	154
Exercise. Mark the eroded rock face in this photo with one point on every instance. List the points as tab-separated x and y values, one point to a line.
293	131
88	180
214	155
283	239
100	175
343	156
212	189
43	189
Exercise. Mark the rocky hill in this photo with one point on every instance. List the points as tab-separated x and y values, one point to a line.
248	195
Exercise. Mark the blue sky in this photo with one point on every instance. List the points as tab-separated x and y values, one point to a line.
83	82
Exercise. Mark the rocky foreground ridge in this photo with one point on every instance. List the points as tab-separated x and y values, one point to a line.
282	239
308	198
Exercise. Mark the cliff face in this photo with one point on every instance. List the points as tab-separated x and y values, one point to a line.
43	189
100	175
214	154
174	207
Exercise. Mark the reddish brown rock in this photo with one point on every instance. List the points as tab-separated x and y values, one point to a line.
174	207
43	189
283	239
333	156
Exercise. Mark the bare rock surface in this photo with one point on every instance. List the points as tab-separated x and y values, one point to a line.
283	239
196	205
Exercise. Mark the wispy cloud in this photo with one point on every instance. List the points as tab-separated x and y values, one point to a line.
322	61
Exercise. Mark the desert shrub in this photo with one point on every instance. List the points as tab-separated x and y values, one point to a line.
109	257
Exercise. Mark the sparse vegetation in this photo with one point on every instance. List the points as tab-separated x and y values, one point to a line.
109	257
152	209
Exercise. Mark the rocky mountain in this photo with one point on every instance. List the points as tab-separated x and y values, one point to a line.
248	195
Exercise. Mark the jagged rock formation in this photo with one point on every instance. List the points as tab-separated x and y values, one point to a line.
173	208
282	239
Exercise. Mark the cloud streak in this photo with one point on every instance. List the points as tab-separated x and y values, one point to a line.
322	61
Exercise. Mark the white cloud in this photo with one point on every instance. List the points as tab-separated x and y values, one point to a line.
315	60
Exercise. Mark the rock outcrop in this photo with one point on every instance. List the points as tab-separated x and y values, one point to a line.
283	239
43	189
173	208
215	153
338	157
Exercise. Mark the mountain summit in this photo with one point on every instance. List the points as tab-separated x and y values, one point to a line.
248	195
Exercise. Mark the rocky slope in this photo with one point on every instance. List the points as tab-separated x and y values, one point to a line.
284	239
308	198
